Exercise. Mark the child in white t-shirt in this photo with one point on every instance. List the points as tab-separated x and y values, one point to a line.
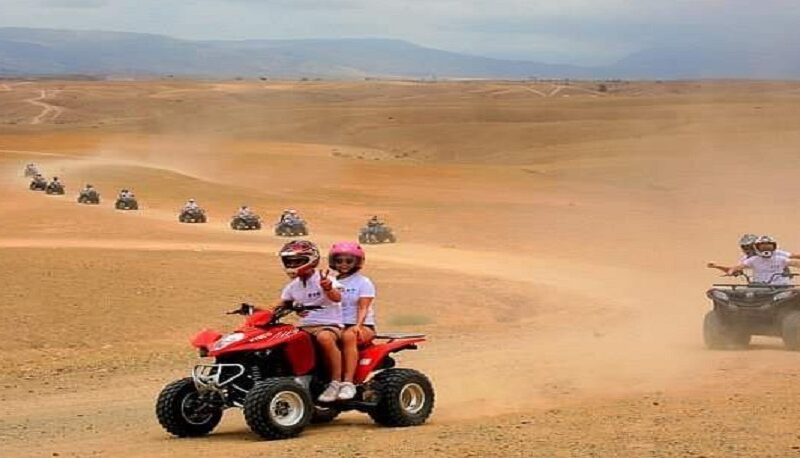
310	287
358	313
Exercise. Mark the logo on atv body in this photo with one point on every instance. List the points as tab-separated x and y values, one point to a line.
277	335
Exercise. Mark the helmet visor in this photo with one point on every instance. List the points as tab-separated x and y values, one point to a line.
293	262
766	246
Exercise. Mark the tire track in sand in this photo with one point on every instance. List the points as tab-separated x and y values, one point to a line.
48	111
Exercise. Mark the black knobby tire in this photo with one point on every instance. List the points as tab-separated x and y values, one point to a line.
278	408
362	239
324	415
171	415
405	397
790	330
719	335
391	238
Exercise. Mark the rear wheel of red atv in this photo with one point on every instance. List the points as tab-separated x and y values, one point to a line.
405	397
278	408
182	412
719	335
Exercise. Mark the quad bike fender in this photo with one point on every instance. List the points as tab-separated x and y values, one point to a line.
371	357
205	338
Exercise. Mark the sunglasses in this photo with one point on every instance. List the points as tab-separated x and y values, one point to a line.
349	260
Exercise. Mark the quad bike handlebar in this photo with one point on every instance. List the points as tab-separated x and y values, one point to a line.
767	283
278	312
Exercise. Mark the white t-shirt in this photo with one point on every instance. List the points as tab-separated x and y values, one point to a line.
353	288
783	253
765	268
311	293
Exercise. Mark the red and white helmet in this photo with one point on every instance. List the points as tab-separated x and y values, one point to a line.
299	258
347	248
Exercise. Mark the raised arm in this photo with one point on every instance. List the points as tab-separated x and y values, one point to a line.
327	286
712	265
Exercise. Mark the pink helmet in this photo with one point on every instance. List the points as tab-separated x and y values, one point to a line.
348	248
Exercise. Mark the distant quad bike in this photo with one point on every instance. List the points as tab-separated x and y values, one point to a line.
54	188
246	223
31	171
38	185
376	234
273	372
89	196
743	310
291	228
126	203
196	215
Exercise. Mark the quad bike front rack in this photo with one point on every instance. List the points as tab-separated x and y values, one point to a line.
208	377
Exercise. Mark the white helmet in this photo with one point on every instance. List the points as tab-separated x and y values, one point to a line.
765	246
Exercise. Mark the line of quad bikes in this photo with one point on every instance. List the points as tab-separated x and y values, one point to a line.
272	371
370	234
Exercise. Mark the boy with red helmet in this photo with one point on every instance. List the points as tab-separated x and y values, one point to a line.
312	287
358	295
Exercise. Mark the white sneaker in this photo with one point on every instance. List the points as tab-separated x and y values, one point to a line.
347	391
330	393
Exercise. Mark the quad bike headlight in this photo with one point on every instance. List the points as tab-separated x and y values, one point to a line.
782	296
721	295
227	340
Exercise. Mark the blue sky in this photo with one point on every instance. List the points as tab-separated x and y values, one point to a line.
587	32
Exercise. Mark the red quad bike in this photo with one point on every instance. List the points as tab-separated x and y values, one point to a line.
272	371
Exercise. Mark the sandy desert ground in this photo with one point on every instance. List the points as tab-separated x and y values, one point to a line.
552	245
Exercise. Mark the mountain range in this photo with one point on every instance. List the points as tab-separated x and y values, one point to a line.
42	52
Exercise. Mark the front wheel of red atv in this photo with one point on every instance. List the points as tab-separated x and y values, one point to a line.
405	397
182	412
278	408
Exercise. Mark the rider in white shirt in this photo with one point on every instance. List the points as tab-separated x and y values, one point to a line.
310	287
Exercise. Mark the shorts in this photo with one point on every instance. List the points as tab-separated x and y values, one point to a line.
316	329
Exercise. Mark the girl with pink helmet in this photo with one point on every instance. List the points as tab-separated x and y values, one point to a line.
358	314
